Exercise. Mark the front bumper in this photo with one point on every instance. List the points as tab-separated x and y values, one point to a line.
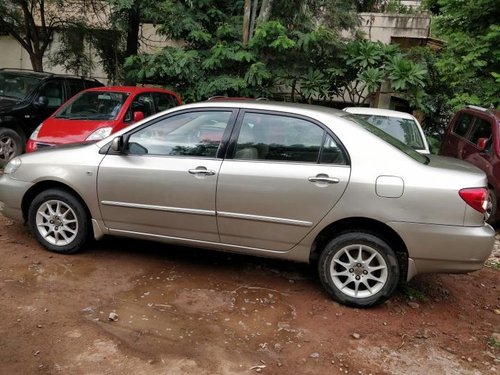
442	248
12	192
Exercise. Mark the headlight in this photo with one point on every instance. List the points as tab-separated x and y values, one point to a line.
100	134
12	166
34	135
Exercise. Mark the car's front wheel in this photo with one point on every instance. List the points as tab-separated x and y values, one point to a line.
359	269
11	145
59	221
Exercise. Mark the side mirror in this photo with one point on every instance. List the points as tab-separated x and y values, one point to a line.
138	116
117	144
482	143
41	102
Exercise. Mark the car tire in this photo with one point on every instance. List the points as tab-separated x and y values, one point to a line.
359	269
11	145
491	209
59	221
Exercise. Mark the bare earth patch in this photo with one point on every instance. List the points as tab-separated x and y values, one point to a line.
189	311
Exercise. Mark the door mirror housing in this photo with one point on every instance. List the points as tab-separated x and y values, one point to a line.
41	102
482	143
117	144
138	116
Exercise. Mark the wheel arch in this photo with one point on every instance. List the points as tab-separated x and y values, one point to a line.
18	126
361	224
45	185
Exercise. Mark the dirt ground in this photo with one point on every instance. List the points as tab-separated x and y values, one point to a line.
190	311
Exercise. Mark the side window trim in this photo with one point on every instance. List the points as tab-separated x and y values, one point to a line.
231	148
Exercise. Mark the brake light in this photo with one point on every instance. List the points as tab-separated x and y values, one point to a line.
477	198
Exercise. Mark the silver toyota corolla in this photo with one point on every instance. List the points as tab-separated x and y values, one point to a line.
303	183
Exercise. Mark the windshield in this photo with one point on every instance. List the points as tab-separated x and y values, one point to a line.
406	130
17	86
390	139
94	105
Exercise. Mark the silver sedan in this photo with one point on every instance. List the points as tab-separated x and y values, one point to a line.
302	183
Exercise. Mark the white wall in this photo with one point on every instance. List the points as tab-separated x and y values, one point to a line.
383	26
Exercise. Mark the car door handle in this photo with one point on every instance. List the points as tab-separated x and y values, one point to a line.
206	172
328	180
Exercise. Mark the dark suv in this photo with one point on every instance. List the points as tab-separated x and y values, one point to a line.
26	99
473	135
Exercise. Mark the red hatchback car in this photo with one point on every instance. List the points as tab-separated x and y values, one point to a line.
474	135
95	113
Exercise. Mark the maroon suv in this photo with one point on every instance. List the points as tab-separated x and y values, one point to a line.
473	135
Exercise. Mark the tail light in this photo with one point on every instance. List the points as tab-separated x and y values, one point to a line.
477	198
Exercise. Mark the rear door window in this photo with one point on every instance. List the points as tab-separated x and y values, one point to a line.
283	138
481	129
164	101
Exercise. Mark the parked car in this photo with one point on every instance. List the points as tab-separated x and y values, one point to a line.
96	113
26	99
295	182
473	135
400	125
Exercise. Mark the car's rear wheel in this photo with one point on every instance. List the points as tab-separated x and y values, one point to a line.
11	145
359	269
59	221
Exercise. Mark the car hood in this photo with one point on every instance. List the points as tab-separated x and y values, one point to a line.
57	131
7	104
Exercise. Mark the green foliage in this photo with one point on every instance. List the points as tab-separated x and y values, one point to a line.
471	57
367	65
404	73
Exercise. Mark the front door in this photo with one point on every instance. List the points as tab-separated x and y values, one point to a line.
285	175
165	183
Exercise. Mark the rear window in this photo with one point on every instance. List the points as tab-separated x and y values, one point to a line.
390	139
405	130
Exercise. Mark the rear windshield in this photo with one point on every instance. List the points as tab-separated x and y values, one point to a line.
390	139
406	130
17	86
93	105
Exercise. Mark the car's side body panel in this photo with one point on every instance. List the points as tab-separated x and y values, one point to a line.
275	202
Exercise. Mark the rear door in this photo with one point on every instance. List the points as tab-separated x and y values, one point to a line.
283	174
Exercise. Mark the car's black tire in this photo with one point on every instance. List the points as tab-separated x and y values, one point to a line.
11	145
492	208
59	221
375	284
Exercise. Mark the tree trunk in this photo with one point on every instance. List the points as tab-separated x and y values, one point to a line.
36	61
255	5
265	11
133	20
246	21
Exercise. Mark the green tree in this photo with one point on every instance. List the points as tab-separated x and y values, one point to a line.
32	24
366	65
470	60
288	44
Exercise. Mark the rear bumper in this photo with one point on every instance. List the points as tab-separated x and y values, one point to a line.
442	248
11	196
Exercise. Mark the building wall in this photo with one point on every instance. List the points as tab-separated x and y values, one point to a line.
383	26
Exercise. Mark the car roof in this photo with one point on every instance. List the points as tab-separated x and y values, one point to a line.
489	111
295	108
378	112
129	89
